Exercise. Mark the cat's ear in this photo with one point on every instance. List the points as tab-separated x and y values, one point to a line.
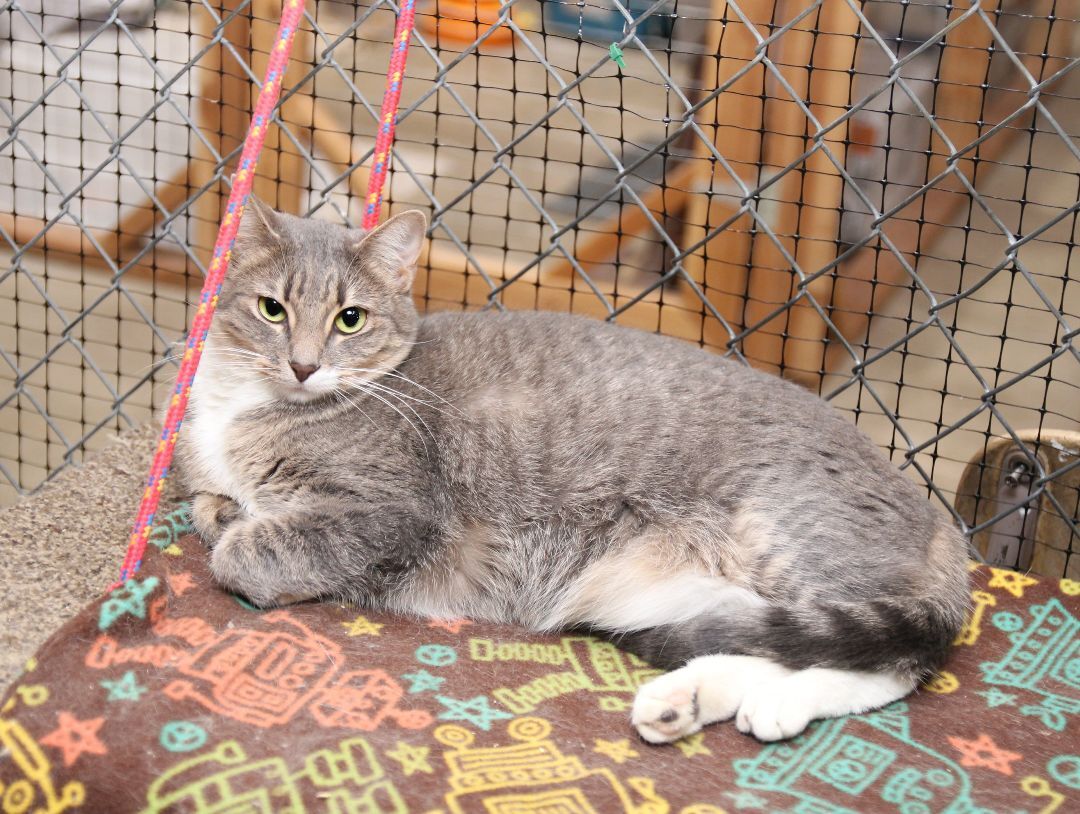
259	224
394	248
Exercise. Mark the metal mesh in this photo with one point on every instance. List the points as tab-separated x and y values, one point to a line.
877	199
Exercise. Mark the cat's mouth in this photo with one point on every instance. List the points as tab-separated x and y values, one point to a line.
318	385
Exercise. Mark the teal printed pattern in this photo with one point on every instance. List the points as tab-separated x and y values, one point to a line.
834	765
1044	659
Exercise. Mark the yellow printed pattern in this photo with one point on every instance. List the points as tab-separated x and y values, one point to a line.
35	790
346	778
587	664
533	776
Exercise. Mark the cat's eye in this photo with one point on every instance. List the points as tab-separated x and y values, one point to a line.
271	309
351	320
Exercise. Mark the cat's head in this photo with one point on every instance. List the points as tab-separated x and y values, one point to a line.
308	306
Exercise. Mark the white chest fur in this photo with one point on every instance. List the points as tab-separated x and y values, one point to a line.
217	400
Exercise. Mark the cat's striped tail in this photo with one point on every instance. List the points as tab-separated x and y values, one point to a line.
907	627
908	636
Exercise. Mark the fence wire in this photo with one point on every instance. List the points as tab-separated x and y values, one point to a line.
877	199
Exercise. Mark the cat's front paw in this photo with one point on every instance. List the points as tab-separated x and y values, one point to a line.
211	514
252	559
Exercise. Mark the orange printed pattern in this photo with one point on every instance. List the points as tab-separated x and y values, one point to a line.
264	676
192	701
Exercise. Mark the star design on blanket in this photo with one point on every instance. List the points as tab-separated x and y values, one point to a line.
181	583
125	688
619	751
413	759
422	681
996	698
74	738
129	599
693	745
984	753
361	626
476	711
1012	581
449	625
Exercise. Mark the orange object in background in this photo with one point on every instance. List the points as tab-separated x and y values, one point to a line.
459	23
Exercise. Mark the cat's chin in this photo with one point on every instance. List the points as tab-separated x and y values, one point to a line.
298	394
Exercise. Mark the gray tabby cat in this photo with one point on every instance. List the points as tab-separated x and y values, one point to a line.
557	472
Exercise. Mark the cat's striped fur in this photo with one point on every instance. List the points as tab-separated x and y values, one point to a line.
557	472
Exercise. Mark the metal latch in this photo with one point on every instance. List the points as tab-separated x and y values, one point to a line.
1011	540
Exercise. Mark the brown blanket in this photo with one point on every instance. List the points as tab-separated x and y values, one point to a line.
170	695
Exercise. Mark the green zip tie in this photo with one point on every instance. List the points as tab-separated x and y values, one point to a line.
615	52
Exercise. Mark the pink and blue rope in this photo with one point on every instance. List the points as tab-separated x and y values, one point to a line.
384	138
291	13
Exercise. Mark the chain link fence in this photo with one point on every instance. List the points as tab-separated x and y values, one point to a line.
877	199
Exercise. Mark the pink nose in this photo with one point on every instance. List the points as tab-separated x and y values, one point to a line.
302	371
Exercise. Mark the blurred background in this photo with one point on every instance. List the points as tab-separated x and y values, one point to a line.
876	199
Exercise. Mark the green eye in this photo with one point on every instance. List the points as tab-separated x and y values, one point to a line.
351	320
273	310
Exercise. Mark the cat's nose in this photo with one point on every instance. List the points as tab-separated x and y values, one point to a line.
302	371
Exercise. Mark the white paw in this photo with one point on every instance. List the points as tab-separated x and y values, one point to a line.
771	713
666	708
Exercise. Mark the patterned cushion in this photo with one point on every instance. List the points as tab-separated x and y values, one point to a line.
170	695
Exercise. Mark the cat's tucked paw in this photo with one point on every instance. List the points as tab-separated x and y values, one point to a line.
252	561
770	712
666	708
211	514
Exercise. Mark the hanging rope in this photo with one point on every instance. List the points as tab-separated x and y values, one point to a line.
291	13
384	139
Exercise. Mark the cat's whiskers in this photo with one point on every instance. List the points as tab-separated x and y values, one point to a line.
243	374
243	365
177	357
341	397
240	358
243	368
385	388
363	385
395	374
230	357
158	363
398	394
234	359
363	388
229	349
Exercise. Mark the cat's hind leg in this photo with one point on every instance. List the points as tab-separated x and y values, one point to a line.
767	700
783	707
706	690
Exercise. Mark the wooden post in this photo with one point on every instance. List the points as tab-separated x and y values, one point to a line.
222	106
869	278
734	119
760	129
